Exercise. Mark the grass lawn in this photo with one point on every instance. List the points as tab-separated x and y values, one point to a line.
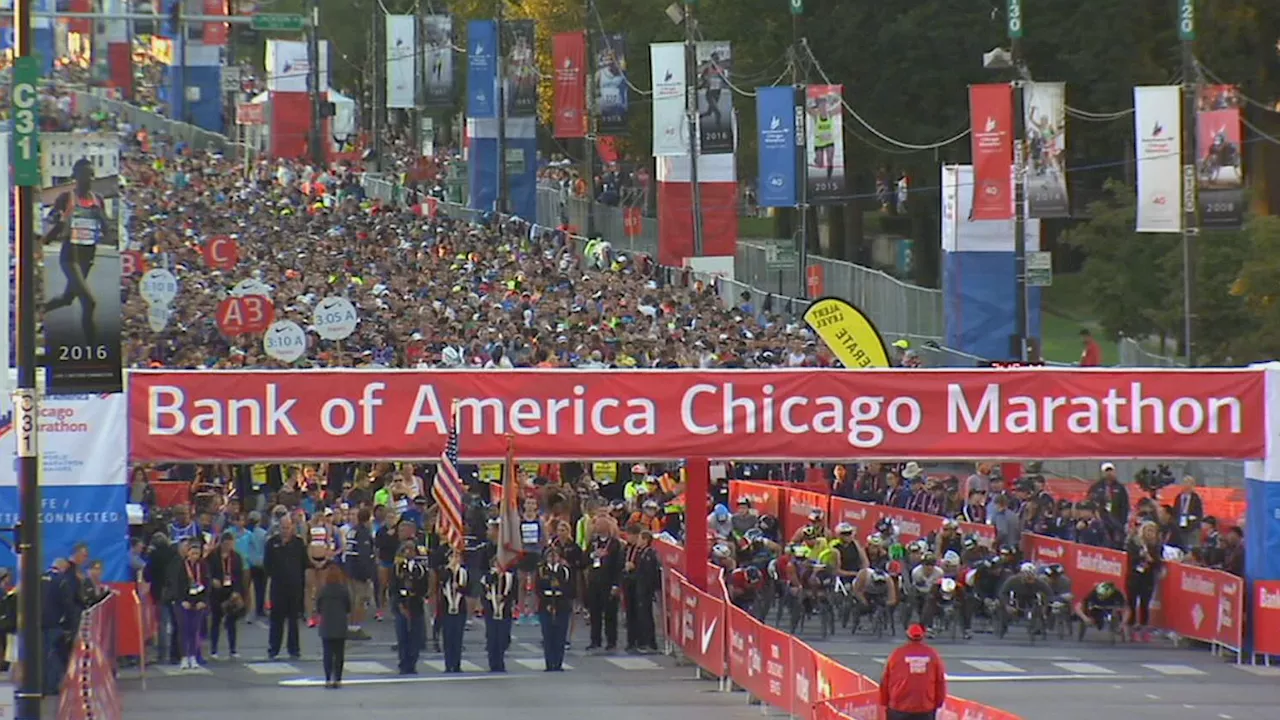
1064	311
756	227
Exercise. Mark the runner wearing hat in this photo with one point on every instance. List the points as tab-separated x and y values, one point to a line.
914	684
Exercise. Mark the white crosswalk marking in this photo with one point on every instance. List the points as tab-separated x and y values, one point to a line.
365	667
992	666
634	663
1084	668
531	647
438	666
174	670
1259	670
536	663
1183	670
273	668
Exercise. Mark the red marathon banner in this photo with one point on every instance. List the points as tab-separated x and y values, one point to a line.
1087	566
810	415
569	57
1201	604
1266	617
911	525
991	119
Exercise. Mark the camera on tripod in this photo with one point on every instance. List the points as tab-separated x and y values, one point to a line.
1152	480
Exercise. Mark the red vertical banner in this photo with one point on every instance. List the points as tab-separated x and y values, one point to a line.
607	148
215	33
815	281
82	26
569	57
991	118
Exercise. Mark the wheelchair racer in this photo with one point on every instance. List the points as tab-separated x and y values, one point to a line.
920	585
948	589
1093	609
816	528
1023	591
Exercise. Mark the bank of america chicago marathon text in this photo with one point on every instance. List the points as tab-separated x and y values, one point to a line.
703	409
61	517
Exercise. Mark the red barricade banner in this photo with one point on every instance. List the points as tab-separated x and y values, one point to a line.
744	644
702	627
765	499
773	667
673	586
804	679
835	680
1087	566
1266	617
359	415
669	554
799	504
1202	604
89	687
911	525
858	706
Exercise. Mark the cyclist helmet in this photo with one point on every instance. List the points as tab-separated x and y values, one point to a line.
754	576
722	551
1106	590
815	514
844	528
874	540
1027	568
753	536
950	558
767	523
919	546
879	577
885	527
1053	570
895	567
801	551
948	586
950	524
970	577
970	542
1007	552
929	559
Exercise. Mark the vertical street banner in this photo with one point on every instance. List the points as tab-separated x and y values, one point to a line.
482	69
824	144
214	33
991	123
611	89
569	58
715	98
81	281
1219	157
6	294
1045	112
521	69
402	60
1157	127
776	120
670	131
437	61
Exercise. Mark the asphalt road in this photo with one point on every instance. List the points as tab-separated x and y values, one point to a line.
1068	680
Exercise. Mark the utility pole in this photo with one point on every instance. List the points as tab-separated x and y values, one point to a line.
317	92
229	98
500	206
180	31
1190	177
419	76
589	141
691	110
802	157
1022	331
376	90
26	164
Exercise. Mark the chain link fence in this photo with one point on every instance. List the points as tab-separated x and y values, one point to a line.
177	132
1132	354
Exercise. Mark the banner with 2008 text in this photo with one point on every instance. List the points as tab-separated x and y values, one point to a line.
340	415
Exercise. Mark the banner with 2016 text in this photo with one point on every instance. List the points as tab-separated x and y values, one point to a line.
83	478
402	54
1157	124
437	60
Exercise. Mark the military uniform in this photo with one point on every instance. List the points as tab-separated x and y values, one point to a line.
453	615
554	610
408	592
499	600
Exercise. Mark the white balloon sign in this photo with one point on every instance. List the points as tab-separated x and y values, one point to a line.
285	341
158	316
158	287
250	286
335	318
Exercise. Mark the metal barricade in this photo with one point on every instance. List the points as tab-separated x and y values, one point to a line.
1132	354
197	138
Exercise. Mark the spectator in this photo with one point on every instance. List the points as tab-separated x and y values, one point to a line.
1146	559
286	563
1233	553
1091	355
361	565
1112	500
192	576
227	593
980	479
1188	510
252	546
334	605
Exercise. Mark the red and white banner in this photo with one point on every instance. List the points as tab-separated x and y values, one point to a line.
700	624
1087	566
765	499
215	33
569	57
1201	604
1266	617
672	414
991	121
911	525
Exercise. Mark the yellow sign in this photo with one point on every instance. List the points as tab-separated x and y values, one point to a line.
605	473
162	50
491	472
849	333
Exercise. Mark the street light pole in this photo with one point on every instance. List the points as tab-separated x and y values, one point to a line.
802	159
691	110
1190	175
313	81
589	142
1022	330
500	61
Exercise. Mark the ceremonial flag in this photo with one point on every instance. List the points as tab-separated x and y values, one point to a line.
510	546
449	492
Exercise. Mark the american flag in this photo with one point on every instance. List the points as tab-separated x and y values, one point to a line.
449	492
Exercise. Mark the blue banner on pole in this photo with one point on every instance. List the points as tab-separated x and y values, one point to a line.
482	69
776	119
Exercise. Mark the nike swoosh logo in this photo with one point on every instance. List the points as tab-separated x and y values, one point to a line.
708	632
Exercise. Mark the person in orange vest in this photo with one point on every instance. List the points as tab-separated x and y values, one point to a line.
914	684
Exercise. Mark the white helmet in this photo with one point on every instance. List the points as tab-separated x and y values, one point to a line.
1027	568
951	558
844	528
948	586
451	357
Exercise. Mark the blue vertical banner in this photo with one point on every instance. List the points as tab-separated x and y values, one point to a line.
776	120
482	69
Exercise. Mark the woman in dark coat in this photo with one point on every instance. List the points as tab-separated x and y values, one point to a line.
333	605
226	578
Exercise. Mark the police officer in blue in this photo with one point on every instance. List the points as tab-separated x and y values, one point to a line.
453	616
554	607
499	600
60	617
408	592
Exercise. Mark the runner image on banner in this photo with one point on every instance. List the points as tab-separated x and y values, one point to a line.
335	318
285	341
82	284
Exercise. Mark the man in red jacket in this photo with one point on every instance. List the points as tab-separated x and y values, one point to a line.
914	684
